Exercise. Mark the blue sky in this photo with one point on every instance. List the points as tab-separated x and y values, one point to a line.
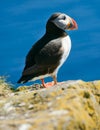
23	22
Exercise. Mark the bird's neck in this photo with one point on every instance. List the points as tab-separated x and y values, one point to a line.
51	29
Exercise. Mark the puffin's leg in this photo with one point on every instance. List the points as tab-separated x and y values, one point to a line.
50	84
55	79
43	83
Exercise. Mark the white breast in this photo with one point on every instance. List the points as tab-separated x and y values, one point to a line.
66	46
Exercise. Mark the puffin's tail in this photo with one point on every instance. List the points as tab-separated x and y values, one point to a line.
24	79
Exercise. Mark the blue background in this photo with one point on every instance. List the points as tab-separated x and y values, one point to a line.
23	22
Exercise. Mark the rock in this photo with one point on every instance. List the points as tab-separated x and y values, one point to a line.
70	105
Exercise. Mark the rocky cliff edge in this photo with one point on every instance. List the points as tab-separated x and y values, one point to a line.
70	105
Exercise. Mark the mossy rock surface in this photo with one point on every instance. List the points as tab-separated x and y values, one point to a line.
70	105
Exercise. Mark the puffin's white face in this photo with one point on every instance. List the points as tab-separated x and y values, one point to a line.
65	22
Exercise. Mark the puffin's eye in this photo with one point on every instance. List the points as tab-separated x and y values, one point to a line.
64	17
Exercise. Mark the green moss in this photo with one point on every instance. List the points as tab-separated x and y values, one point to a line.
86	94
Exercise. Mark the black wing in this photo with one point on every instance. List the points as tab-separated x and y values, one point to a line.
30	58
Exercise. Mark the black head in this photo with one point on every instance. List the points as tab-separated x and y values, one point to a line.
60	21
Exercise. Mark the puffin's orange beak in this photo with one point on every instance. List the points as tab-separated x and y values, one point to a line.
72	25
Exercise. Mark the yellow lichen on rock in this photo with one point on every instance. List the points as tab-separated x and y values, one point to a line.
71	105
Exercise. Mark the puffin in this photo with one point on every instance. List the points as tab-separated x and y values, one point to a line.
49	53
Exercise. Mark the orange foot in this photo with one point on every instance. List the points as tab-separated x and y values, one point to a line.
46	85
49	84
